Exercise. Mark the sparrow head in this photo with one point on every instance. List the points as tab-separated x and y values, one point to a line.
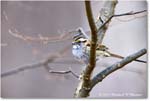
78	37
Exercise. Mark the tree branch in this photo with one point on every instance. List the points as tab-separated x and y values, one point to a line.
64	72
129	13
100	76
106	14
93	28
98	31
84	85
44	63
82	90
117	15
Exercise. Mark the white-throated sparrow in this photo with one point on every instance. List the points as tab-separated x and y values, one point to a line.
81	48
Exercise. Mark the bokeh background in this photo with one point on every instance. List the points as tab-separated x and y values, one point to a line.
125	36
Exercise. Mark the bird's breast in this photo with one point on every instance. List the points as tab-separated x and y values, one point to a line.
77	51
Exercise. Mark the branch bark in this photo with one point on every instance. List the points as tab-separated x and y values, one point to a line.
83	87
103	74
96	35
100	76
104	18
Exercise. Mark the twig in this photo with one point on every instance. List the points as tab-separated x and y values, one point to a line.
44	63
103	26
129	13
64	72
100	76
119	15
20	69
134	15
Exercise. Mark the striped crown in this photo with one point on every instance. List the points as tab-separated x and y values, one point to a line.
78	35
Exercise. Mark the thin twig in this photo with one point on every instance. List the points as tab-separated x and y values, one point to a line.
21	69
119	15
129	13
64	72
51	58
113	16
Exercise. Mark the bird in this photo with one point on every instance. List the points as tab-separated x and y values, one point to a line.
81	49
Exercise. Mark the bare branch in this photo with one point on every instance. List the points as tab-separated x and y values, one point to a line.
20	69
65	72
85	78
51	58
103	25
104	18
125	17
119	15
84	85
93	28
100	76
129	13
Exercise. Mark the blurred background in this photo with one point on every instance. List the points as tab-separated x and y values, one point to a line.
125	36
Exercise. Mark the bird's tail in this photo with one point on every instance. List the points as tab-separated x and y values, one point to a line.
121	57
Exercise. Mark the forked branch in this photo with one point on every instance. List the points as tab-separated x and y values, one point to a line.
44	63
97	34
